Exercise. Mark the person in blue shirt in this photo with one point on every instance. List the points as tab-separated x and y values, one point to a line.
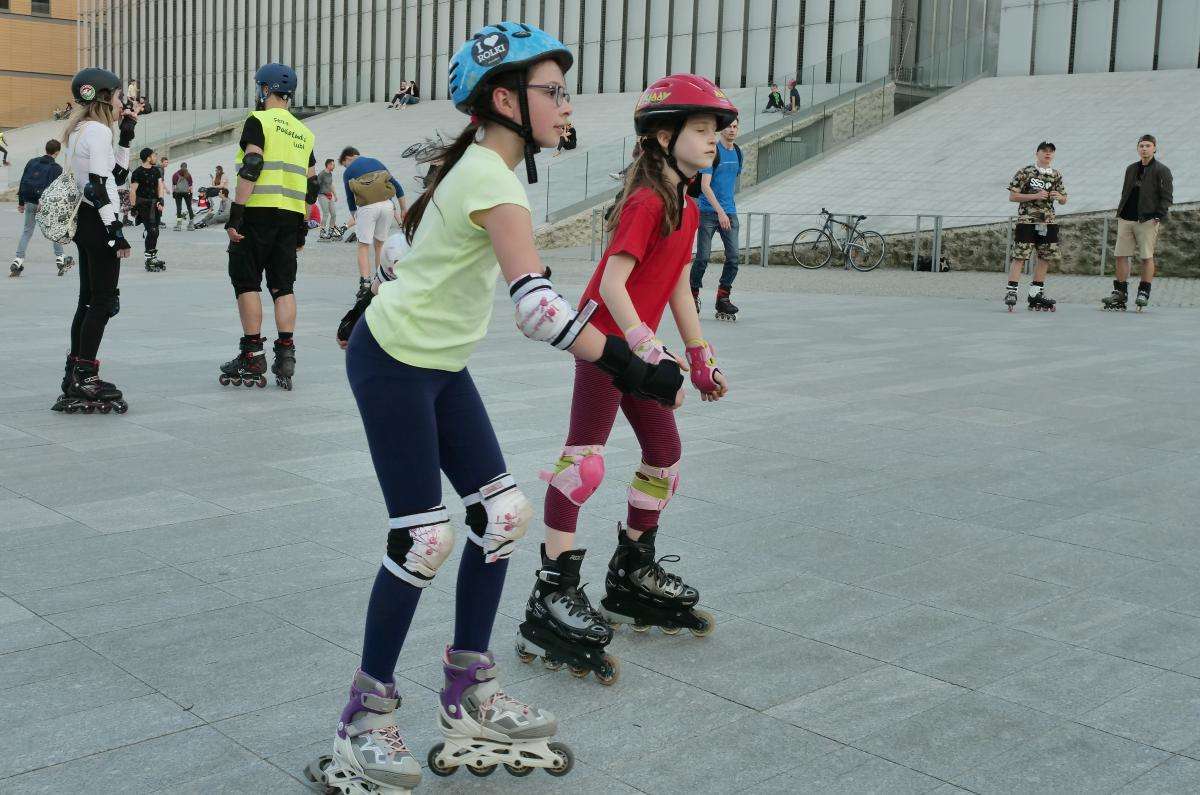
374	197
39	173
718	213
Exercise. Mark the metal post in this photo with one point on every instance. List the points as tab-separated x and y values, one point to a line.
1104	247
917	242
586	161
766	238
935	263
746	238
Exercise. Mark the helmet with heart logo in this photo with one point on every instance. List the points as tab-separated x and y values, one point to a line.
502	47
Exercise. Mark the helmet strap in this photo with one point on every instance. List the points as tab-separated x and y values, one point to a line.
686	183
523	129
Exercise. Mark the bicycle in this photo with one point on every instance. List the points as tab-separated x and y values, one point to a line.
423	149
861	250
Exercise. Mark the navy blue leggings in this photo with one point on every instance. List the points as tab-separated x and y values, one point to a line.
419	423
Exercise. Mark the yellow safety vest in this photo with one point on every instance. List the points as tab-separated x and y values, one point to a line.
284	179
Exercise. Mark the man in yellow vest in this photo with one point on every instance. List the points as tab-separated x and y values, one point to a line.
267	225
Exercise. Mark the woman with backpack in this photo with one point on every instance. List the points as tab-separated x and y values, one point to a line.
97	169
39	173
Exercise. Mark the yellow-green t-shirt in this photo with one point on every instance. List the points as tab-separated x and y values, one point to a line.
440	303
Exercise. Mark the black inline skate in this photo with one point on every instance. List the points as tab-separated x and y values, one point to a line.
725	309
639	591
64	263
85	393
284	366
1010	298
561	626
1038	302
249	367
364	289
153	263
1117	300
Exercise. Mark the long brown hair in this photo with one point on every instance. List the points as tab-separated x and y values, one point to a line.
648	170
100	110
446	157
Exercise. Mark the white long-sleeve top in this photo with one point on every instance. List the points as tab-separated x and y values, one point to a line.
92	152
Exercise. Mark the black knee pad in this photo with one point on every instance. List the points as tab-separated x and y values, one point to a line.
110	303
238	289
277	294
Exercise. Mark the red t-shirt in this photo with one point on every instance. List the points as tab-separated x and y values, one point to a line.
660	260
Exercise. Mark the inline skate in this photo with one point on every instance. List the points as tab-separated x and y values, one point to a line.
249	367
696	298
1038	302
364	289
725	309
484	727
1010	298
639	591
1118	300
18	265
561	626
1142	300
63	263
85	393
153	263
284	366
369	755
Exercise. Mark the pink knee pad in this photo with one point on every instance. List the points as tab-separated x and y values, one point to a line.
653	487
578	472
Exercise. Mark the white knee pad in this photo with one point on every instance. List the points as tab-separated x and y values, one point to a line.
508	516
578	472
653	487
418	544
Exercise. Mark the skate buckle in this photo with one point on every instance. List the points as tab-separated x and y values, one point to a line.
550	576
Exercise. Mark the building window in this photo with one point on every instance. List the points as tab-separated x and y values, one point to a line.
3	5
39	7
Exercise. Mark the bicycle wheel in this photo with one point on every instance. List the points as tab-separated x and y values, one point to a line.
412	150
812	249
865	251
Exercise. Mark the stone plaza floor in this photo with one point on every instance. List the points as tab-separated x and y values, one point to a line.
949	548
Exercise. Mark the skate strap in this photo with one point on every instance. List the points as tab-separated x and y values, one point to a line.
371	722
376	703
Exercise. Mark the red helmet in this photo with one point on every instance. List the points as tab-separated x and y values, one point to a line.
675	97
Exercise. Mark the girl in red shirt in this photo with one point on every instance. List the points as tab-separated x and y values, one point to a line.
642	271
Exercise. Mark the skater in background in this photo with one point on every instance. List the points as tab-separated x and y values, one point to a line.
218	210
98	169
567	140
267	225
3	150
641	273
37	176
1146	197
1035	188
327	201
181	189
407	366
718	213
374	197
149	194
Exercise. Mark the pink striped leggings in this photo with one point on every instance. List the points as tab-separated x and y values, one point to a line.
594	406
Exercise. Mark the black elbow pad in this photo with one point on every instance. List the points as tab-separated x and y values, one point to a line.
120	174
252	166
313	191
95	191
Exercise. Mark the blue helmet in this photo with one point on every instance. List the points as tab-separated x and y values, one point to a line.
278	78
500	48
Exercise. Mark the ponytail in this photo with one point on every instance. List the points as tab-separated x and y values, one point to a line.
648	170
443	158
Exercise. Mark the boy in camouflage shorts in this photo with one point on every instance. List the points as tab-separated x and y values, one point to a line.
1035	188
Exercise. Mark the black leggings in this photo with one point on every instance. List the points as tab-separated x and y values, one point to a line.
148	217
99	269
180	200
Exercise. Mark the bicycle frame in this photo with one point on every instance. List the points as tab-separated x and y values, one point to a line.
843	244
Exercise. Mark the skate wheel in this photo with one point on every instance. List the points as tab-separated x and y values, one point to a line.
88	409
520	771
121	408
580	672
262	382
1010	309
432	760
71	408
248	384
710	623
611	669
223	379
564	762
640	627
1053	308
481	771
551	665
314	772
525	656
104	408
671	630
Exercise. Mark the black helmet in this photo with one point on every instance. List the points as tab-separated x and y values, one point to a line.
88	84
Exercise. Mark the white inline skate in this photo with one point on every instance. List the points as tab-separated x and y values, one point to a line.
484	727
369	755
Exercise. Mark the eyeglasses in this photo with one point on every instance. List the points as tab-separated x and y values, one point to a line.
555	90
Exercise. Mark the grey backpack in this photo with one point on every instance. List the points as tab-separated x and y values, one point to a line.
59	207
